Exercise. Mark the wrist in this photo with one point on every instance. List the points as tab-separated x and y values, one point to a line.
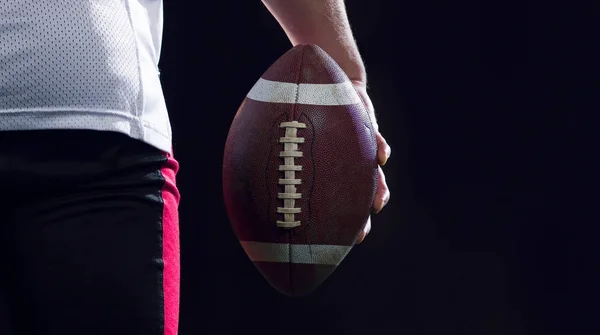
350	61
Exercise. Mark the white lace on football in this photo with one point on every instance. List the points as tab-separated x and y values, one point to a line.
289	154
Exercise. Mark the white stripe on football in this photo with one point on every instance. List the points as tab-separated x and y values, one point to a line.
295	253
308	94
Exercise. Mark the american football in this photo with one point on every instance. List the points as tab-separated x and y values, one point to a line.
300	170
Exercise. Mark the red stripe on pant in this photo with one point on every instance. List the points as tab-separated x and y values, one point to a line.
171	258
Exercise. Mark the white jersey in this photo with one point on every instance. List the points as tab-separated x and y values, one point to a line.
83	64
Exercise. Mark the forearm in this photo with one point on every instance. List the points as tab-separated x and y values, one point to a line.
323	23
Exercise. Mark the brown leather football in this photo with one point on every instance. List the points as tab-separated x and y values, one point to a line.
300	170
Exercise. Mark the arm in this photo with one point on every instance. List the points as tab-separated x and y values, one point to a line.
323	23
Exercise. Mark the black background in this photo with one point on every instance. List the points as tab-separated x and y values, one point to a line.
481	103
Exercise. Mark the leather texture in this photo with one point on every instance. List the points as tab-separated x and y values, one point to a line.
337	181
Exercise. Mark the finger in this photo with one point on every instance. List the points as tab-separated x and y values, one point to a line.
367	228
365	231
382	196
383	150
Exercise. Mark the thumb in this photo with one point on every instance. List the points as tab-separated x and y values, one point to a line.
365	231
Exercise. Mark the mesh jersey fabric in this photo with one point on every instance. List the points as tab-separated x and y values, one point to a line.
83	64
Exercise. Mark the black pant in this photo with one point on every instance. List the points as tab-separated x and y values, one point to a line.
89	238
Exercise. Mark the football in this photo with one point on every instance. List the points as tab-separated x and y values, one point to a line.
300	170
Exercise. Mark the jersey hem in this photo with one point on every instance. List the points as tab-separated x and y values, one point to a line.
22	120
